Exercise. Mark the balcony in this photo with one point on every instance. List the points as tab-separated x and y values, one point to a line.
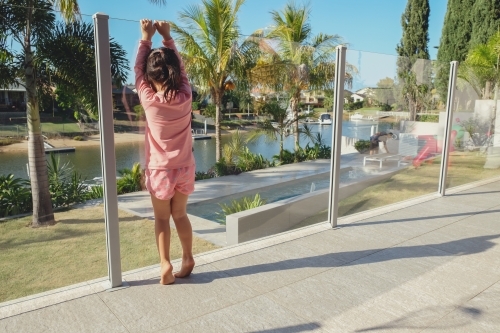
430	263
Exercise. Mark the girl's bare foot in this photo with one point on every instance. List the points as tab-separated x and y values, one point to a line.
166	276
186	269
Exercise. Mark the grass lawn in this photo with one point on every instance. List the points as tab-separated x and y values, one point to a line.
410	183
67	127
74	250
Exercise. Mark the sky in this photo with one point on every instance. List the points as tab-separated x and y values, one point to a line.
370	26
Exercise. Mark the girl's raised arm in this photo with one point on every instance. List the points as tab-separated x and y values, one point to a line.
163	28
143	88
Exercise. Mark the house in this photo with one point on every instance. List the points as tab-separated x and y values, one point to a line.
347	96
358	97
13	98
125	97
314	98
361	95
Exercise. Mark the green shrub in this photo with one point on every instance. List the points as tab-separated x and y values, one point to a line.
248	161
223	168
239	206
195	106
353	106
15	196
78	138
385	107
140	114
65	185
287	157
362	146
8	141
130	180
200	175
429	118
95	192
209	111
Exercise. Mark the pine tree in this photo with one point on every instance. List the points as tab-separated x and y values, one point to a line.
485	21
455	40
415	23
413	73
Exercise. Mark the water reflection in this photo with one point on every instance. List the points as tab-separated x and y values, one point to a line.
87	159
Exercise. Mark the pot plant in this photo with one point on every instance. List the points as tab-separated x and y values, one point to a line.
362	146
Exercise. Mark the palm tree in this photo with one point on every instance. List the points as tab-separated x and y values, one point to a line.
278	128
481	68
31	23
301	61
211	50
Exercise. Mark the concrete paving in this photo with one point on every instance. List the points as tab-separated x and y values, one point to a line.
430	264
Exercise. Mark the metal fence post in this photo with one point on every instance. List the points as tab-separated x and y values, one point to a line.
338	110
447	128
108	162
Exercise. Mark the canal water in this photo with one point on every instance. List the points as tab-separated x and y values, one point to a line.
86	160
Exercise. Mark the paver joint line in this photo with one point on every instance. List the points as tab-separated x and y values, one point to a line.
114	314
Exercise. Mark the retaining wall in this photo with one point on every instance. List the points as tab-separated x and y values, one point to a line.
282	215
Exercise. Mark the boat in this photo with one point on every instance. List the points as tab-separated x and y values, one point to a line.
325	119
357	116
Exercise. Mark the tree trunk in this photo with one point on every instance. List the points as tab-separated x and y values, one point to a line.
295	111
487	90
281	145
43	213
218	147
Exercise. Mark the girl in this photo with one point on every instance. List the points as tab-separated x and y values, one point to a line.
165	95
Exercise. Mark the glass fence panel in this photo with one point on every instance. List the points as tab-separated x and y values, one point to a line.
69	247
251	190
474	153
391	134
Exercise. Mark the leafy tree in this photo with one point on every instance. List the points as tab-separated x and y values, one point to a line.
455	40
77	39
481	68
411	50
415	24
384	93
211	50
276	129
29	26
485	21
300	61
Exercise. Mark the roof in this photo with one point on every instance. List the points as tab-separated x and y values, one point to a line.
124	90
14	87
360	95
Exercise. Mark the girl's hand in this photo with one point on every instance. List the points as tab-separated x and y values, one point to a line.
163	28
147	29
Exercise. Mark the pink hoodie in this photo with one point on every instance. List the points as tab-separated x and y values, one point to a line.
168	125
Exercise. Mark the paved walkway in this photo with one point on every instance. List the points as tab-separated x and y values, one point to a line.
426	265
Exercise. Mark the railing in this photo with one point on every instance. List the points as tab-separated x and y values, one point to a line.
329	183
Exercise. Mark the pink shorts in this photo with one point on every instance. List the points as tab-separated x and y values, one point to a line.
163	183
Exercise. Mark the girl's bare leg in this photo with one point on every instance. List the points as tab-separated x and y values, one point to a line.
162	231
183	225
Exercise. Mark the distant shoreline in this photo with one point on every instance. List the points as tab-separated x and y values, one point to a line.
92	140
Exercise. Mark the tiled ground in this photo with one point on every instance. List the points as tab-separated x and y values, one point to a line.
433	266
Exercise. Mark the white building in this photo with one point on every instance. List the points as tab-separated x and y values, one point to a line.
13	98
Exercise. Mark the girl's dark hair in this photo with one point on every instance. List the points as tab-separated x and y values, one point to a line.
162	66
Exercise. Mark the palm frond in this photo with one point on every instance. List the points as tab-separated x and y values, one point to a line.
69	9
